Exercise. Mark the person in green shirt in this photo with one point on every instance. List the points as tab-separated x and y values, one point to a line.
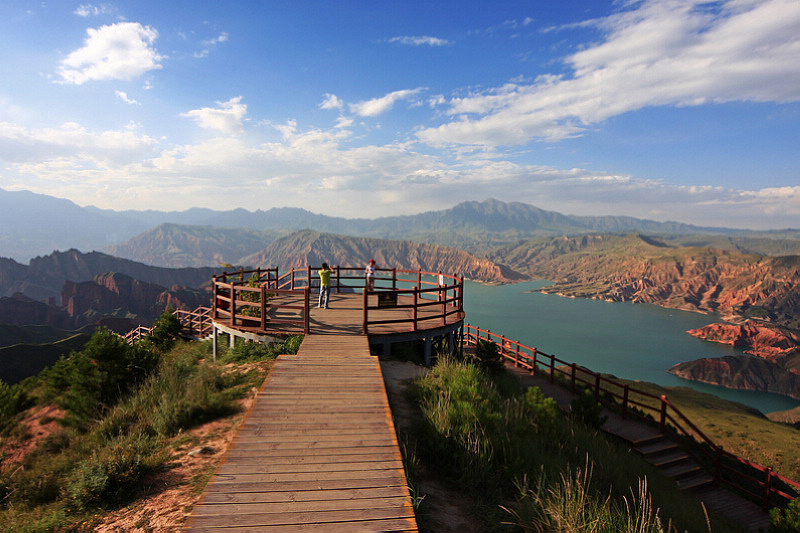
324	285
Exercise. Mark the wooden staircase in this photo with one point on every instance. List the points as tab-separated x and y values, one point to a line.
663	453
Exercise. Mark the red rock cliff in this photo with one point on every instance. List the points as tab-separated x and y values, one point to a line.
760	340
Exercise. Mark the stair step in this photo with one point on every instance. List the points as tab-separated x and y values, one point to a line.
701	479
665	459
656	446
682	469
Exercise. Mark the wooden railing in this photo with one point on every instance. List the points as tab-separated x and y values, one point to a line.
195	323
252	298
757	482
256	299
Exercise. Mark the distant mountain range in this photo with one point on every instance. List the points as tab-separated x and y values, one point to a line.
34	224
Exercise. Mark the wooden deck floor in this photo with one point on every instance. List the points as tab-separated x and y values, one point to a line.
346	316
318	451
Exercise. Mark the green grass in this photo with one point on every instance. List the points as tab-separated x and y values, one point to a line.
97	463
739	429
529	466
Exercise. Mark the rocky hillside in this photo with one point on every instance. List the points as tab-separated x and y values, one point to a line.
741	372
636	268
312	248
756	339
177	246
113	295
45	276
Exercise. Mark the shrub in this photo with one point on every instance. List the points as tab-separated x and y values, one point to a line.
251	351
86	383
13	400
108	475
785	520
166	329
487	356
587	410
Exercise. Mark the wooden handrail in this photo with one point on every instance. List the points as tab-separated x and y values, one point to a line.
425	290
527	357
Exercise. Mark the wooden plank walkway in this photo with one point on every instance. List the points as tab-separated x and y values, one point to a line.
318	451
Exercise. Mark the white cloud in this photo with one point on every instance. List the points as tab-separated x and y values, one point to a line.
419	40
87	10
303	168
378	106
122	51
221	38
331	102
660	52
122	95
226	118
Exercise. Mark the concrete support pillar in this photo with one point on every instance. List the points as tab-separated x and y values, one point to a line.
428	351
214	334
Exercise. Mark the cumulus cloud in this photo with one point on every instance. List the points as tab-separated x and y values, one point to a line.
331	101
656	53
378	106
226	118
122	51
304	166
419	40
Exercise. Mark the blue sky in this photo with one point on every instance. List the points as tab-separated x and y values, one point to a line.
668	109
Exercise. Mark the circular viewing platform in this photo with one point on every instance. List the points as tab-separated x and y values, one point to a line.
404	305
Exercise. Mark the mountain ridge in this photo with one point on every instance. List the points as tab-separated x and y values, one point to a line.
35	224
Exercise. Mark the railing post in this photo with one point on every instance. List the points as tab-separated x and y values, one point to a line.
263	308
394	278
552	368
534	363
662	424
572	377
306	304
214	296
308	278
597	387
233	304
414	309
443	298
625	390
338	280
767	488
365	327
291	277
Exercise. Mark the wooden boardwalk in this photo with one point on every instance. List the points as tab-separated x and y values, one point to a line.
318	451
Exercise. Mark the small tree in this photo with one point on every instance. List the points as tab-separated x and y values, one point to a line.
487	355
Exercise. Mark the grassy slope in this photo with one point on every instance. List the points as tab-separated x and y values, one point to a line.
739	429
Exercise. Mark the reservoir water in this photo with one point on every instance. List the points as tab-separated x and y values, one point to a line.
631	341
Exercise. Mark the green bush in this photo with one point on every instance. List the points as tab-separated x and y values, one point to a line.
498	443
252	351
88	382
110	473
13	400
786	520
165	331
487	356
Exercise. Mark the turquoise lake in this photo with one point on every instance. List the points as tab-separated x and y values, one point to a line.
631	341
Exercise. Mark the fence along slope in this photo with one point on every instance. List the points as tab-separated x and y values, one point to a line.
756	482
317	451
